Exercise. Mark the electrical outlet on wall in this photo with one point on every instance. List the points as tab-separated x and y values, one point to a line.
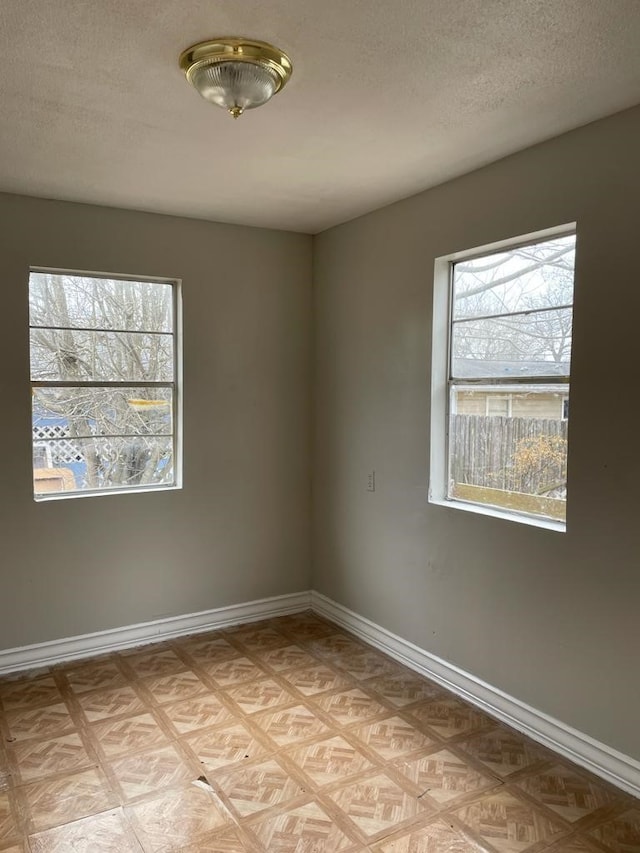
371	481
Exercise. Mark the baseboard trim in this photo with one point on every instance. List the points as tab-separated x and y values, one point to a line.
616	768
113	639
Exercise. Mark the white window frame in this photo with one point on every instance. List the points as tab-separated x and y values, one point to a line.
440	381
175	384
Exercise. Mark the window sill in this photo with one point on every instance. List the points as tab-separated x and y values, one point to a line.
64	496
495	512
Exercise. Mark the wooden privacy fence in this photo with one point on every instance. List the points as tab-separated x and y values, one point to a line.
515	454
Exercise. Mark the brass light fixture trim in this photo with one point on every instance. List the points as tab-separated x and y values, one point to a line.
236	73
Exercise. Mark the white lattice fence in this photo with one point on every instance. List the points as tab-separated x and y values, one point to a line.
62	451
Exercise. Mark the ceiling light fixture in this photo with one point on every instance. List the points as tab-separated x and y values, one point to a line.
236	73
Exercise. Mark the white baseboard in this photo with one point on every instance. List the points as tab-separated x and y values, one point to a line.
621	770
113	639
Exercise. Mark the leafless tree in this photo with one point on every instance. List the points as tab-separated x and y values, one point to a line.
516	306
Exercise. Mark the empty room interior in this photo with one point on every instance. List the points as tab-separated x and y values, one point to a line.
319	512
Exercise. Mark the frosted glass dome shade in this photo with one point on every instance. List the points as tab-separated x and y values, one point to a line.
236	73
236	86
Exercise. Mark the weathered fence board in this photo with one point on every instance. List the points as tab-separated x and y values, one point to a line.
515	454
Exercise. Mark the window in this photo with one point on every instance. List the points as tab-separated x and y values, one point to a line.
104	370
501	355
498	405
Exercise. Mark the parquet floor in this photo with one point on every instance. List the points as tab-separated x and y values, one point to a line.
287	736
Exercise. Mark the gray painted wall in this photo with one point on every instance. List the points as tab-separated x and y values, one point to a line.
239	530
550	618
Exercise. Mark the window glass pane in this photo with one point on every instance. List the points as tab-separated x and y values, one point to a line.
516	462
73	356
62	412
519	345
102	357
520	279
58	299
77	464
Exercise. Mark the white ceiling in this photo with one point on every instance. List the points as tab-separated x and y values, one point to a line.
388	97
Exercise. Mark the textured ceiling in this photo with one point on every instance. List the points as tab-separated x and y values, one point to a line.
388	97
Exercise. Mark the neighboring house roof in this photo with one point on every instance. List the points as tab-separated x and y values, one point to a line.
481	368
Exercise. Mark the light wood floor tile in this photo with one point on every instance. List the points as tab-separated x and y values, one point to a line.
37	759
365	663
451	717
376	804
64	799
287	657
569	794
45	722
104	704
304	828
6	776
290	725
254	788
198	712
130	734
257	637
150	771
176	818
318	678
444	777
225	840
174	687
392	737
575	844
336	646
401	691
259	695
235	671
29	694
350	706
149	663
304	626
621	834
224	746
8	826
502	750
330	760
105	833
434	837
208	649
99	675
509	824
